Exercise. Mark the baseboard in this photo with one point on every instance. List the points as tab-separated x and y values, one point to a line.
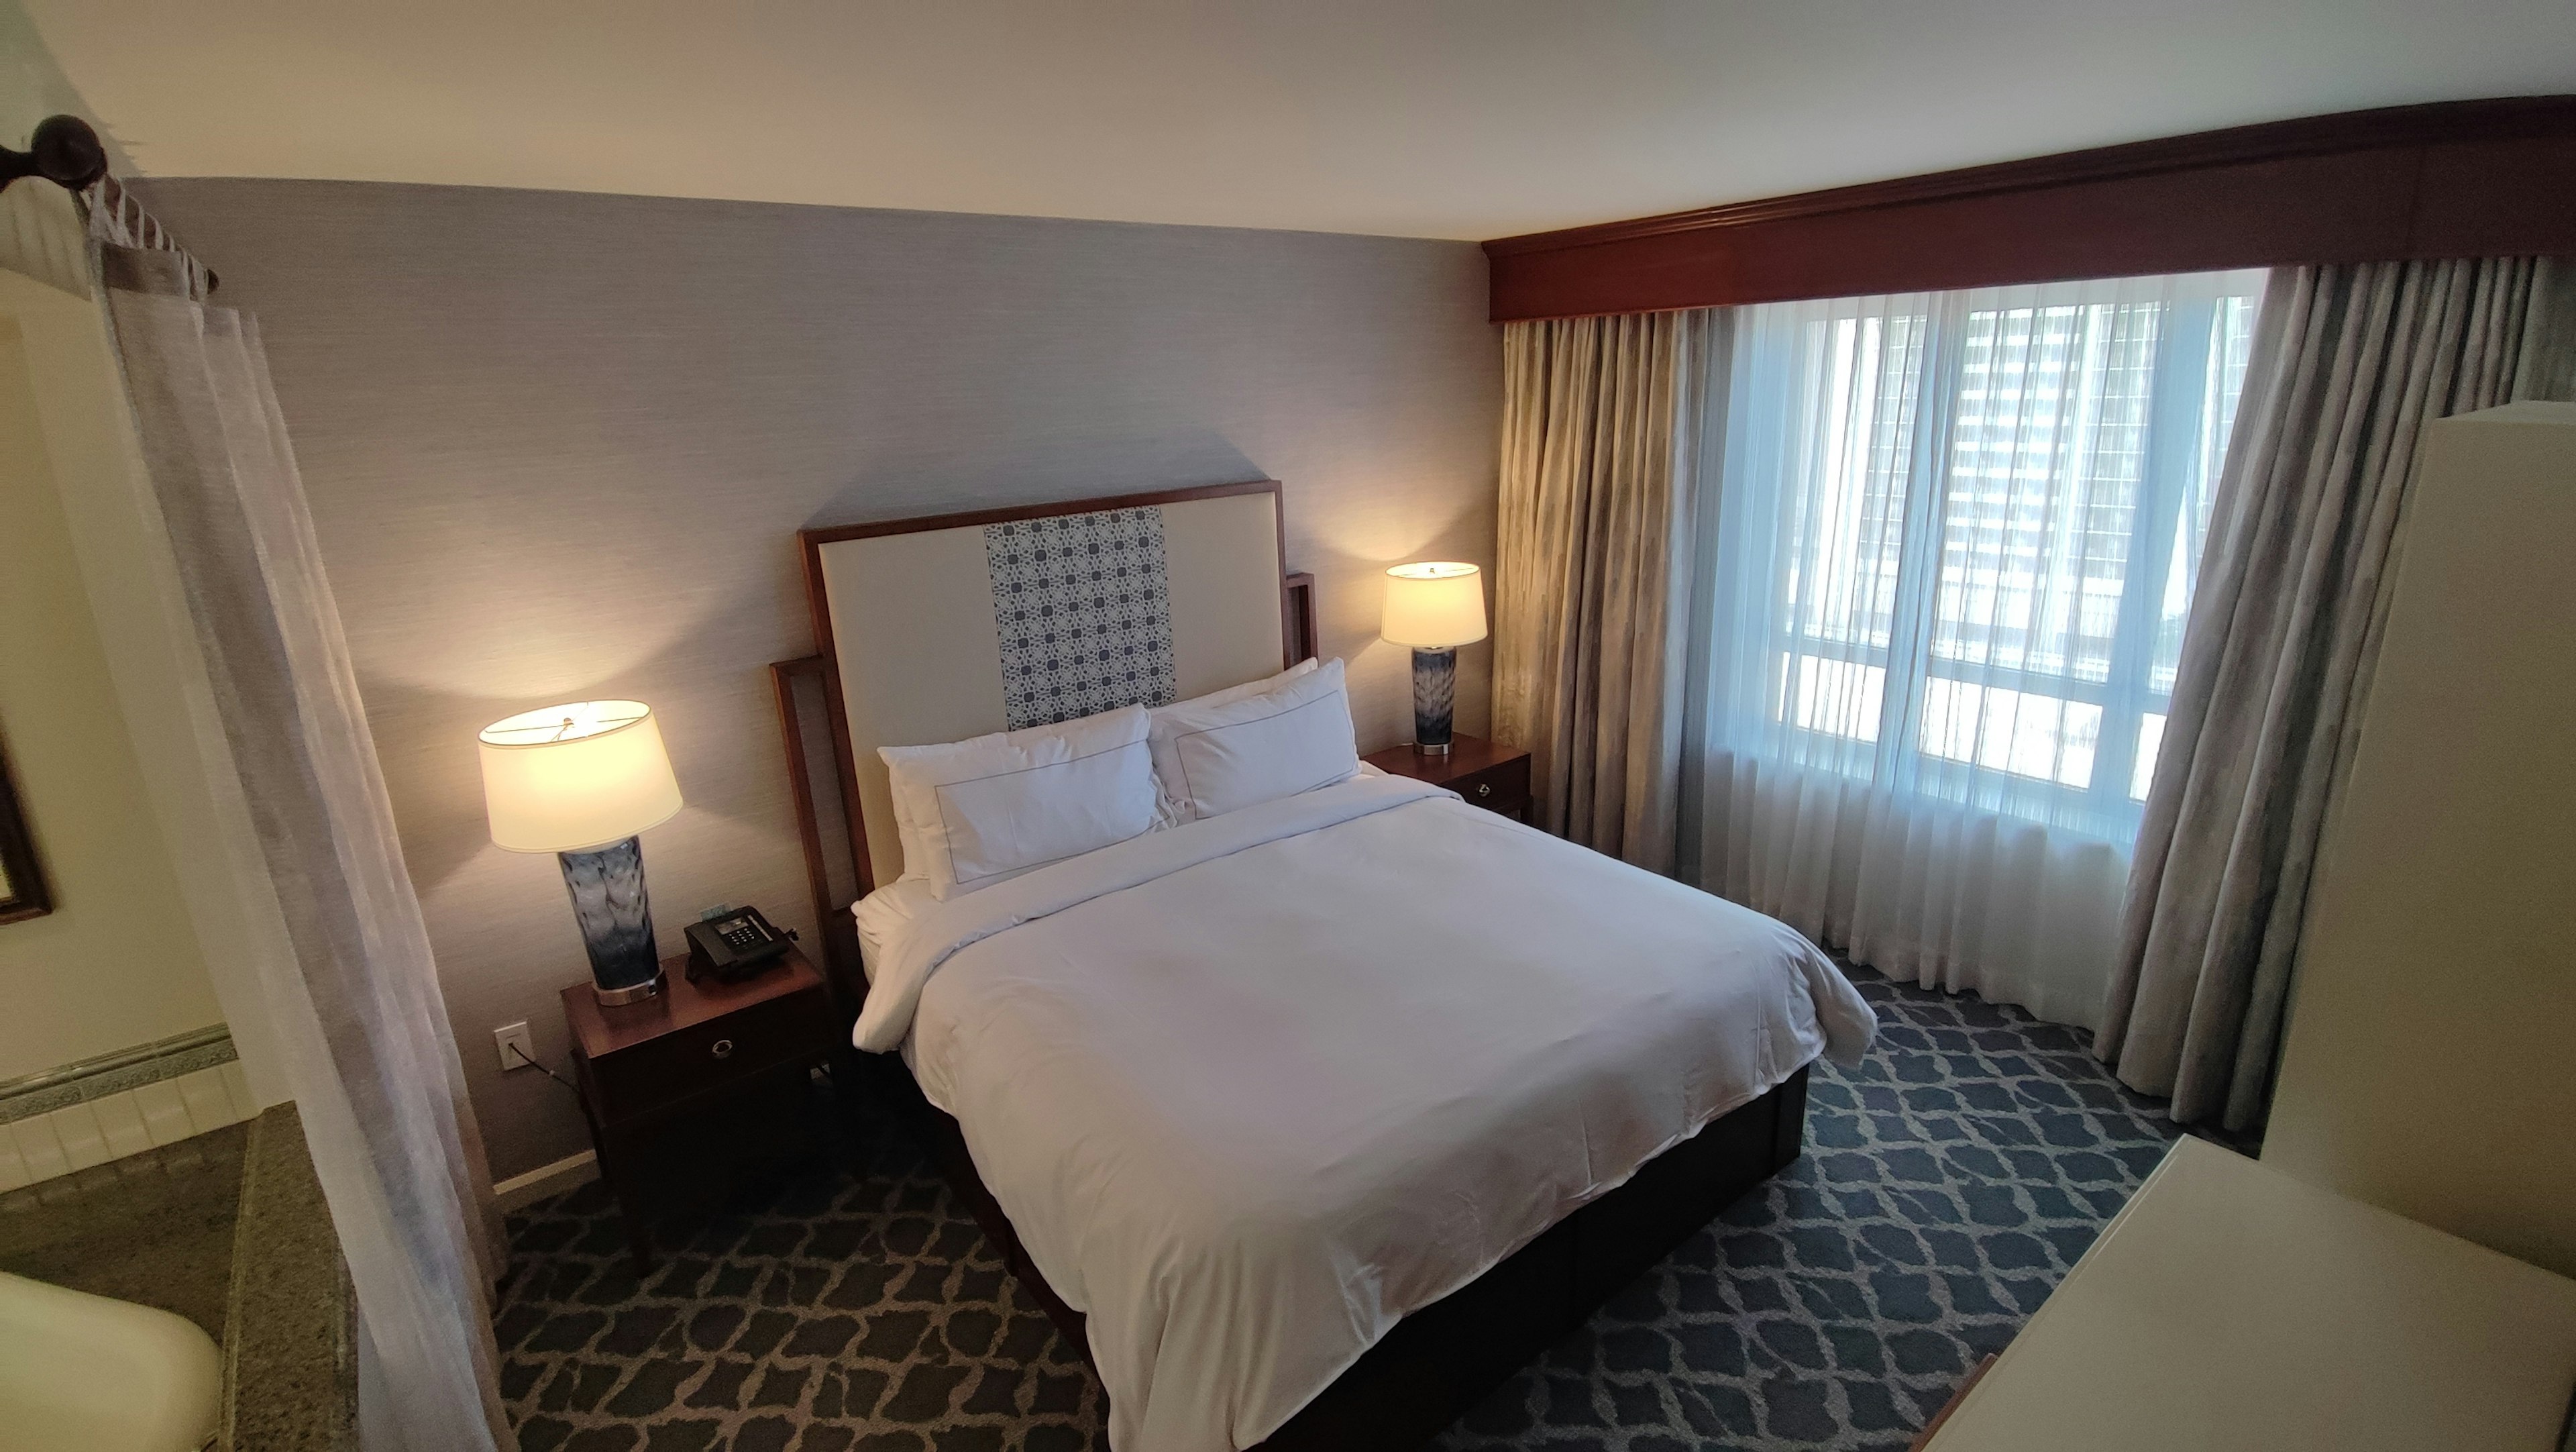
569	1173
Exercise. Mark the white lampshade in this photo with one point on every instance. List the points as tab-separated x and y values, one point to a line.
1434	605
577	777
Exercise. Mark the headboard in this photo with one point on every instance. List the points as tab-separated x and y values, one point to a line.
951	626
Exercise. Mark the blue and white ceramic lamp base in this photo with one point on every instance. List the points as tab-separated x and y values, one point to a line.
607	888
1435	699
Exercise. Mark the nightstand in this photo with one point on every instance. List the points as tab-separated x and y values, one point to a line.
1486	773
687	1087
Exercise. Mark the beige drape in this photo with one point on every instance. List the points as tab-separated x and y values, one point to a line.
1592	572
2349	365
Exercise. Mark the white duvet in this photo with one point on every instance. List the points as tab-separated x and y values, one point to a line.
1253	1088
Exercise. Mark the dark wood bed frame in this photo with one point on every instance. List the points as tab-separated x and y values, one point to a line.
1438	1361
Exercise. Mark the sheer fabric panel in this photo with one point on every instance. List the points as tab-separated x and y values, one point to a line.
1941	895
350	986
1943	580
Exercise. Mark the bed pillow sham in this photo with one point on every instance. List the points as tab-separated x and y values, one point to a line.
976	812
1292	738
1168	811
1248	689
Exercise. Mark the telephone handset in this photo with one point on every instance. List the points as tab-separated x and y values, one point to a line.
735	945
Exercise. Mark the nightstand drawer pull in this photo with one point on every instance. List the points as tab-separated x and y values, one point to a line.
1484	789
722	1048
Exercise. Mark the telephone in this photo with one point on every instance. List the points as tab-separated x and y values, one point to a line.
734	945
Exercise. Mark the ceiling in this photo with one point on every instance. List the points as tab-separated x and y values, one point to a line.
1427	118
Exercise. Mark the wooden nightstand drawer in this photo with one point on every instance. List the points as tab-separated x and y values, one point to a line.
1486	773
691	1038
692	1060
1503	788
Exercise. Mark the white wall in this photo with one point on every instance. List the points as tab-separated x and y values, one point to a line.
117	963
559	446
32	85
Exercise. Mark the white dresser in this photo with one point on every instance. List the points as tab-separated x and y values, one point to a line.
2232	1306
2428	1064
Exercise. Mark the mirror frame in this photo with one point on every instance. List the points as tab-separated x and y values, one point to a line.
26	894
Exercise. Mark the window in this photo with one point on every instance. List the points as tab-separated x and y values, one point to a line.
1964	530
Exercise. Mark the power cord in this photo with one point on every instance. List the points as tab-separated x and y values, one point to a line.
542	1069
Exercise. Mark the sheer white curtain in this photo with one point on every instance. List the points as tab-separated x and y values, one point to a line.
344	962
1941	582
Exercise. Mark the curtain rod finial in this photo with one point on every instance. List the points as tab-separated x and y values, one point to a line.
63	150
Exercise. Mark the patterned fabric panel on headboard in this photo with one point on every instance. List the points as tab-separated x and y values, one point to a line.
1083	606
954	630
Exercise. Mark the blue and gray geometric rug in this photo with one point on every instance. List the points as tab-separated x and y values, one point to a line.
1949	1183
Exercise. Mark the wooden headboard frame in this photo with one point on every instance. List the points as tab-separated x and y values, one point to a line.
829	821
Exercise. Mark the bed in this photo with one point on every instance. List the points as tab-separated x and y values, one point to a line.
1308	1120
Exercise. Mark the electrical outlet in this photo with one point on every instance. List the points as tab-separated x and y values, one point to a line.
511	1041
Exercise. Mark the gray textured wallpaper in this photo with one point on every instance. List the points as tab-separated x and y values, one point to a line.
558	447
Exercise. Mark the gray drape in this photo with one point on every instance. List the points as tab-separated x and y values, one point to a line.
2349	364
1591	572
351	989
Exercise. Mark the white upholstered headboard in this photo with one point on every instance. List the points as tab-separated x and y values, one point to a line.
942	628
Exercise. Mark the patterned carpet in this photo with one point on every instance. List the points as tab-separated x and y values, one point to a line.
1949	1183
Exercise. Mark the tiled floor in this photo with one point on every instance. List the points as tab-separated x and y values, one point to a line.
1949	1183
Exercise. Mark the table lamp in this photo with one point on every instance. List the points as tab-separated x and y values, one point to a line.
1435	607
581	781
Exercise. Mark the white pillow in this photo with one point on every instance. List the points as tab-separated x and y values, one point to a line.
1292	738
1168	811
977	812
1232	694
916	855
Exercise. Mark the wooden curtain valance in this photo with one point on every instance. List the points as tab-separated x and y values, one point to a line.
2457	179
